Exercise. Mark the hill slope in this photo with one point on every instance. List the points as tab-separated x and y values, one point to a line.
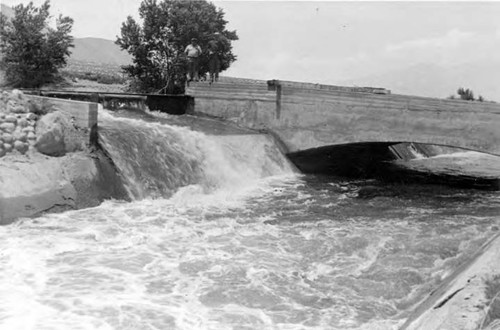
6	10
99	51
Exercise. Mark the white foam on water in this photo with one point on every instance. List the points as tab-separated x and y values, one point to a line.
182	157
171	264
71	267
464	154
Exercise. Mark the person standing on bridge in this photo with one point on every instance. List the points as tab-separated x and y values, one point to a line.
193	52
214	57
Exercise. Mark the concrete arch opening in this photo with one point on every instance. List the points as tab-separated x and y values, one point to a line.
361	159
404	162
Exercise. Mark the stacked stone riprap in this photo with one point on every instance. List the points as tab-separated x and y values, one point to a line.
17	123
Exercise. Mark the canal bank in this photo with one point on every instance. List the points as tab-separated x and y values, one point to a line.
465	299
50	160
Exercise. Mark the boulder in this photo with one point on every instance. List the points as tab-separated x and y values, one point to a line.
7	138
5	95
56	135
16	95
31	136
23	122
21	146
15	107
50	131
7	127
20	136
7	147
31	116
10	119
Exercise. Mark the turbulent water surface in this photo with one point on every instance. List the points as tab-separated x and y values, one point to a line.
224	234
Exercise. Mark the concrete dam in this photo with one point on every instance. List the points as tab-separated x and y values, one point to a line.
324	129
185	222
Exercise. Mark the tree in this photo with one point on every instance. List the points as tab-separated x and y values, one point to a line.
467	95
157	46
33	52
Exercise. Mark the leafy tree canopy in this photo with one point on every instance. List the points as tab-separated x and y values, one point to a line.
32	51
157	45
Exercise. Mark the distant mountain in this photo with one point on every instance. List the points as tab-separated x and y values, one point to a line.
99	51
7	11
431	80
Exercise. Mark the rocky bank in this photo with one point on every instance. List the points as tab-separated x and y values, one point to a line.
46	164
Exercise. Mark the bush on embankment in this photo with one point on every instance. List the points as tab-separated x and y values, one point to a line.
46	164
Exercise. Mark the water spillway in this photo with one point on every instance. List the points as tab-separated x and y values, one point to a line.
155	159
222	233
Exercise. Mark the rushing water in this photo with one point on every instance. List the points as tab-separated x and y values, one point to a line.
224	234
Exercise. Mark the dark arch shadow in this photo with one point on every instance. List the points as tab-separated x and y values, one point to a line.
386	161
362	159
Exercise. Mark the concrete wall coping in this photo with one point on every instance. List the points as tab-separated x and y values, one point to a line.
322	87
57	101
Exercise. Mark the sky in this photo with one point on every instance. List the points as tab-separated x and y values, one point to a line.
329	41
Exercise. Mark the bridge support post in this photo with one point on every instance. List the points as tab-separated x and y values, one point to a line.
275	85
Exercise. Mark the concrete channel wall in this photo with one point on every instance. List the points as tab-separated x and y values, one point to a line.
306	116
83	114
461	301
172	104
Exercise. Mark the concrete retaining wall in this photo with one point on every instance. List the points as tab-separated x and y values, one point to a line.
460	302
83	114
306	116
